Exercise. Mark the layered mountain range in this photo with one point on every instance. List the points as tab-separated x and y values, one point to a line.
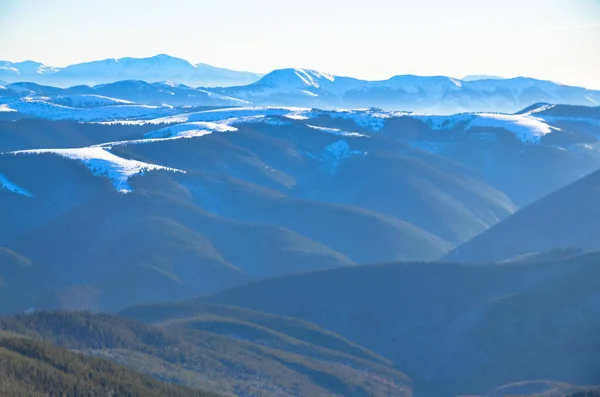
152	69
178	202
165	80
269	226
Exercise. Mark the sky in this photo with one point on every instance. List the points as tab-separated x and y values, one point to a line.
557	40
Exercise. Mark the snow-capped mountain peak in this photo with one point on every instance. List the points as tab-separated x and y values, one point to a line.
295	78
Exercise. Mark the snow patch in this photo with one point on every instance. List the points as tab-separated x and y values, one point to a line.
306	78
456	82
38	107
256	119
309	93
45	69
11	187
336	131
301	114
539	109
5	108
227	114
189	130
87	101
312	77
526	128
104	163
592	100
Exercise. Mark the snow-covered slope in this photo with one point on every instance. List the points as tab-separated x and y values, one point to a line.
526	128
87	101
157	68
189	130
46	108
234	114
102	162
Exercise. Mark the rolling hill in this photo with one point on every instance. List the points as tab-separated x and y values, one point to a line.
141	211
456	329
30	367
231	350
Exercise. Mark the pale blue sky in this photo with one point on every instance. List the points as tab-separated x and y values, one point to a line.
372	39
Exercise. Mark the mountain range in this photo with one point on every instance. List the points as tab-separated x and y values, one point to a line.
165	80
175	202
434	94
152	69
275	250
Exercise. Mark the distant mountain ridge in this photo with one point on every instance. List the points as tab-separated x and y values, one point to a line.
152	69
474	77
125	92
295	87
433	94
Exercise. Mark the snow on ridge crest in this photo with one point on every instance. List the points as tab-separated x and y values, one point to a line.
336	131
101	162
189	130
527	128
218	115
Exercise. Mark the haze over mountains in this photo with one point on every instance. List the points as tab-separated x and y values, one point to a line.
284	87
455	327
152	69
530	230
175	203
267	195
